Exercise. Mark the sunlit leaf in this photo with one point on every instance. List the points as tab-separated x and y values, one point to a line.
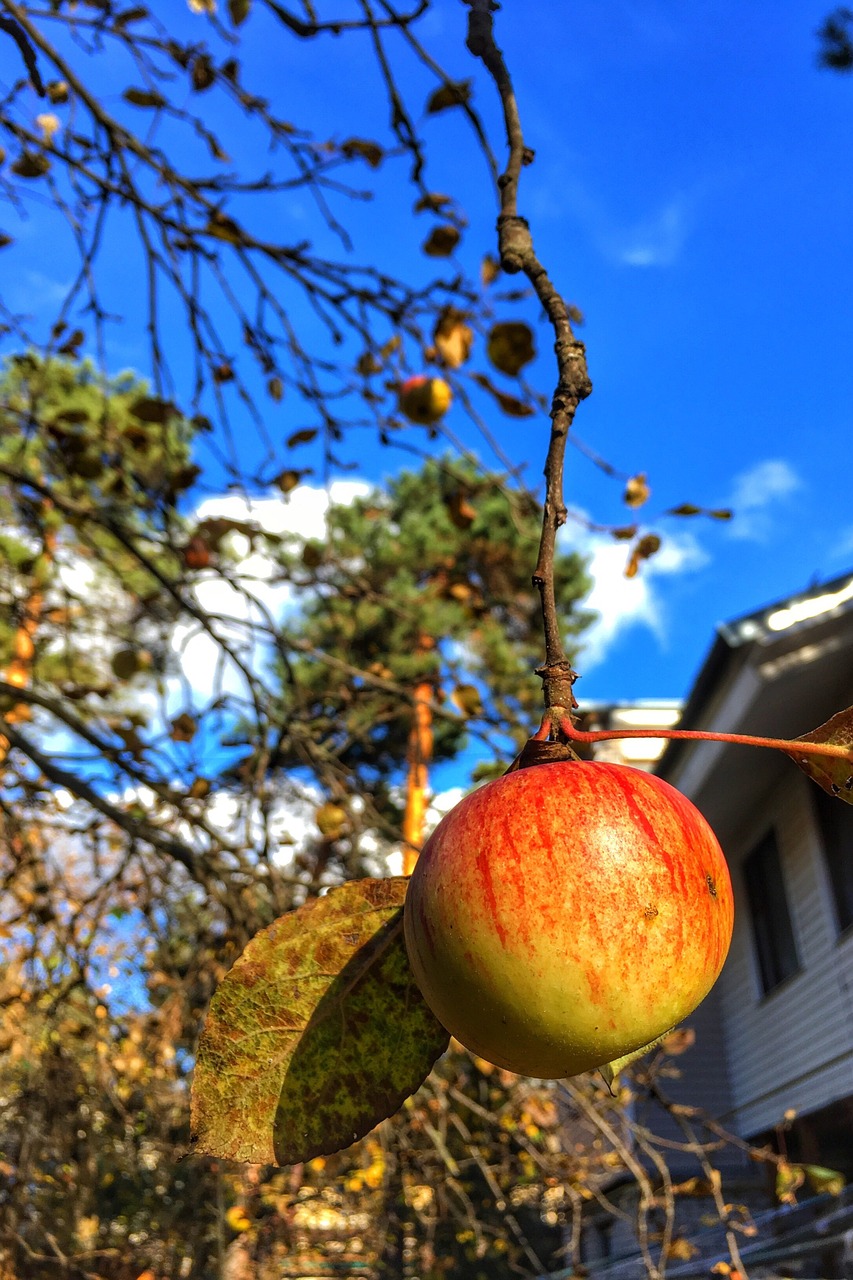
646	546
316	1034
835	775
332	820
453	337
610	1070
789	1178
637	491
237	1218
49	125
490	269
510	346
824	1181
467	699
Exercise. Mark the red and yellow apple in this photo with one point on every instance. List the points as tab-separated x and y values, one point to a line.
424	400
567	914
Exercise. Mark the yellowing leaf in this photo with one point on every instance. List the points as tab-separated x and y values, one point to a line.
637	491
510	346
789	1178
332	820
681	1250
237	1218
490	269
468	700
646	546
453	337
824	1181
316	1034
49	125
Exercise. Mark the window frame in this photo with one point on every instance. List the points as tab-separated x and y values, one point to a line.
774	940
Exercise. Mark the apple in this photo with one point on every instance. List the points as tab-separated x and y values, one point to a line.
567	914
424	400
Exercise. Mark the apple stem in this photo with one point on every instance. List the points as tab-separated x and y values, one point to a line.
793	746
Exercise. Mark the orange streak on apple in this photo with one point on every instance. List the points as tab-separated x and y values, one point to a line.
566	914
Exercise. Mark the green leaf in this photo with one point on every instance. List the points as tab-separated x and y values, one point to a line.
610	1070
316	1034
833	774
821	1180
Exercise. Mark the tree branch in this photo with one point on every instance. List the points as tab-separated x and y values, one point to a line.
517	255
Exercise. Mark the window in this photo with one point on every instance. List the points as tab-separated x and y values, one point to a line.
771	920
835	822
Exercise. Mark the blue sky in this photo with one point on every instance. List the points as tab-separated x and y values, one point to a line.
691	194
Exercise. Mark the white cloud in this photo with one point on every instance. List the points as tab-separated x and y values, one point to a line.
754	492
650	237
654	241
256	595
623	603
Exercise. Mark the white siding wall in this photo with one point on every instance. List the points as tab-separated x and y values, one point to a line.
793	1047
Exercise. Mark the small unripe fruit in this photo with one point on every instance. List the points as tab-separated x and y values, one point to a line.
567	914
424	400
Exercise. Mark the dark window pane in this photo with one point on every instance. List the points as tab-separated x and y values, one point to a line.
835	820
771	920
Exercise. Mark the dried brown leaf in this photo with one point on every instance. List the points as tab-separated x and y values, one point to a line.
833	774
441	241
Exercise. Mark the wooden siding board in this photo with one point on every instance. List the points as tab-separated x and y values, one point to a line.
794	1046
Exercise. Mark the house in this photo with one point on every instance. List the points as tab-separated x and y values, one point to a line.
784	1002
773	1054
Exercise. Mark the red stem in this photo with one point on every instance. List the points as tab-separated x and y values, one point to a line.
791	746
